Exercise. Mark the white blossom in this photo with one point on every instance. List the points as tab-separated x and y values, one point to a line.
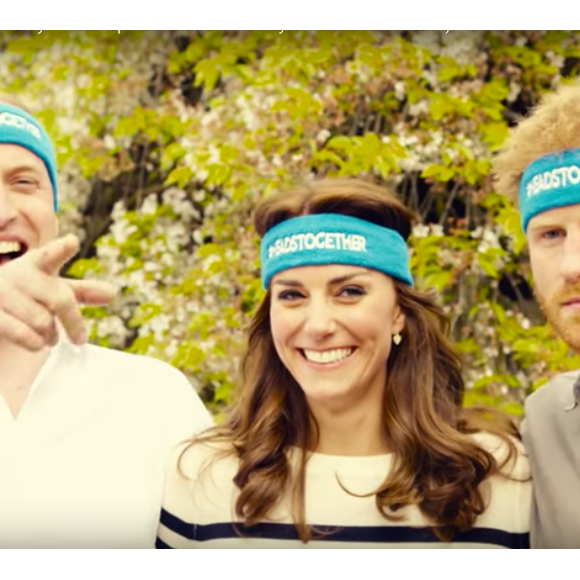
400	90
411	163
420	231
322	136
150	205
197	237
419	108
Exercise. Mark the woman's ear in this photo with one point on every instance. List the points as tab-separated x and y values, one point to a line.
398	320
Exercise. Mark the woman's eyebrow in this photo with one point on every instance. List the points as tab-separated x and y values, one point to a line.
292	283
334	281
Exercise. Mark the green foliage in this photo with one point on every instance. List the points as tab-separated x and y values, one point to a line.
167	140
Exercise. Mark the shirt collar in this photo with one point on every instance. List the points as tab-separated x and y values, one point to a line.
63	345
64	340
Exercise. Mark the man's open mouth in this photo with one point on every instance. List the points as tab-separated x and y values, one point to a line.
11	250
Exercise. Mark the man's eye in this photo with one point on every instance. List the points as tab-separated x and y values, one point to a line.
552	234
26	181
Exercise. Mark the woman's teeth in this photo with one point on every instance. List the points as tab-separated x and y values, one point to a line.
327	356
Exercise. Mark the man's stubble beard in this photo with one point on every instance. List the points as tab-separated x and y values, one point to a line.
567	329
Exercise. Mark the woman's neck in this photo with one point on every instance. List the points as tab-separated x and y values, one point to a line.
350	430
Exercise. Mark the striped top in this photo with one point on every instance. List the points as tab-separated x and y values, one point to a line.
199	513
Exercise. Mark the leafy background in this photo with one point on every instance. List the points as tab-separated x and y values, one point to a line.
166	141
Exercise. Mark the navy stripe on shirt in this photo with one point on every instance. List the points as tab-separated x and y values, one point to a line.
347	534
161	545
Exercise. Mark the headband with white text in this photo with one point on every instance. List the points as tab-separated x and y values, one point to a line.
324	239
17	127
549	182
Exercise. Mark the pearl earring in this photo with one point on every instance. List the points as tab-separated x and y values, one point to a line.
397	339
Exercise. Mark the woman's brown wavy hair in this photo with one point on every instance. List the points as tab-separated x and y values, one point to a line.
437	466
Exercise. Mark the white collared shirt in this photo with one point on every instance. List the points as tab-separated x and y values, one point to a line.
84	463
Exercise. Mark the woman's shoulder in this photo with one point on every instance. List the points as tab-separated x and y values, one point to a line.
194	467
198	490
509	505
191	457
507	450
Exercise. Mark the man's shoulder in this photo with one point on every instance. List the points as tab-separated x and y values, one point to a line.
506	450
109	360
156	384
133	373
556	393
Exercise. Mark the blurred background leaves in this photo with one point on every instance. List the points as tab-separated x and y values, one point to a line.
166	141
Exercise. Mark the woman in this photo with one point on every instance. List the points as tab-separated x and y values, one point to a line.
348	431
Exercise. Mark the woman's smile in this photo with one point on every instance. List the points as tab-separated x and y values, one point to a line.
327	360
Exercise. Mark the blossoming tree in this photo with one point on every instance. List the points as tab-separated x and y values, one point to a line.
166	140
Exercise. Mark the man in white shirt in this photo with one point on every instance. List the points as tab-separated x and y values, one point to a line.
85	432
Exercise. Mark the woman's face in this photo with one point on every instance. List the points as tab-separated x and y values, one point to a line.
333	329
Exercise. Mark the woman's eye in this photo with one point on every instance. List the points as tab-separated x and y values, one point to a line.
351	291
289	295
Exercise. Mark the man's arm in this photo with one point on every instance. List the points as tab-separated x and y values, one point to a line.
535	537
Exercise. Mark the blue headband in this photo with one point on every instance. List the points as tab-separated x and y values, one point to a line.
17	127
549	182
323	239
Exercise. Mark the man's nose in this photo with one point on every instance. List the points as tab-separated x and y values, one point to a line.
7	209
570	267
